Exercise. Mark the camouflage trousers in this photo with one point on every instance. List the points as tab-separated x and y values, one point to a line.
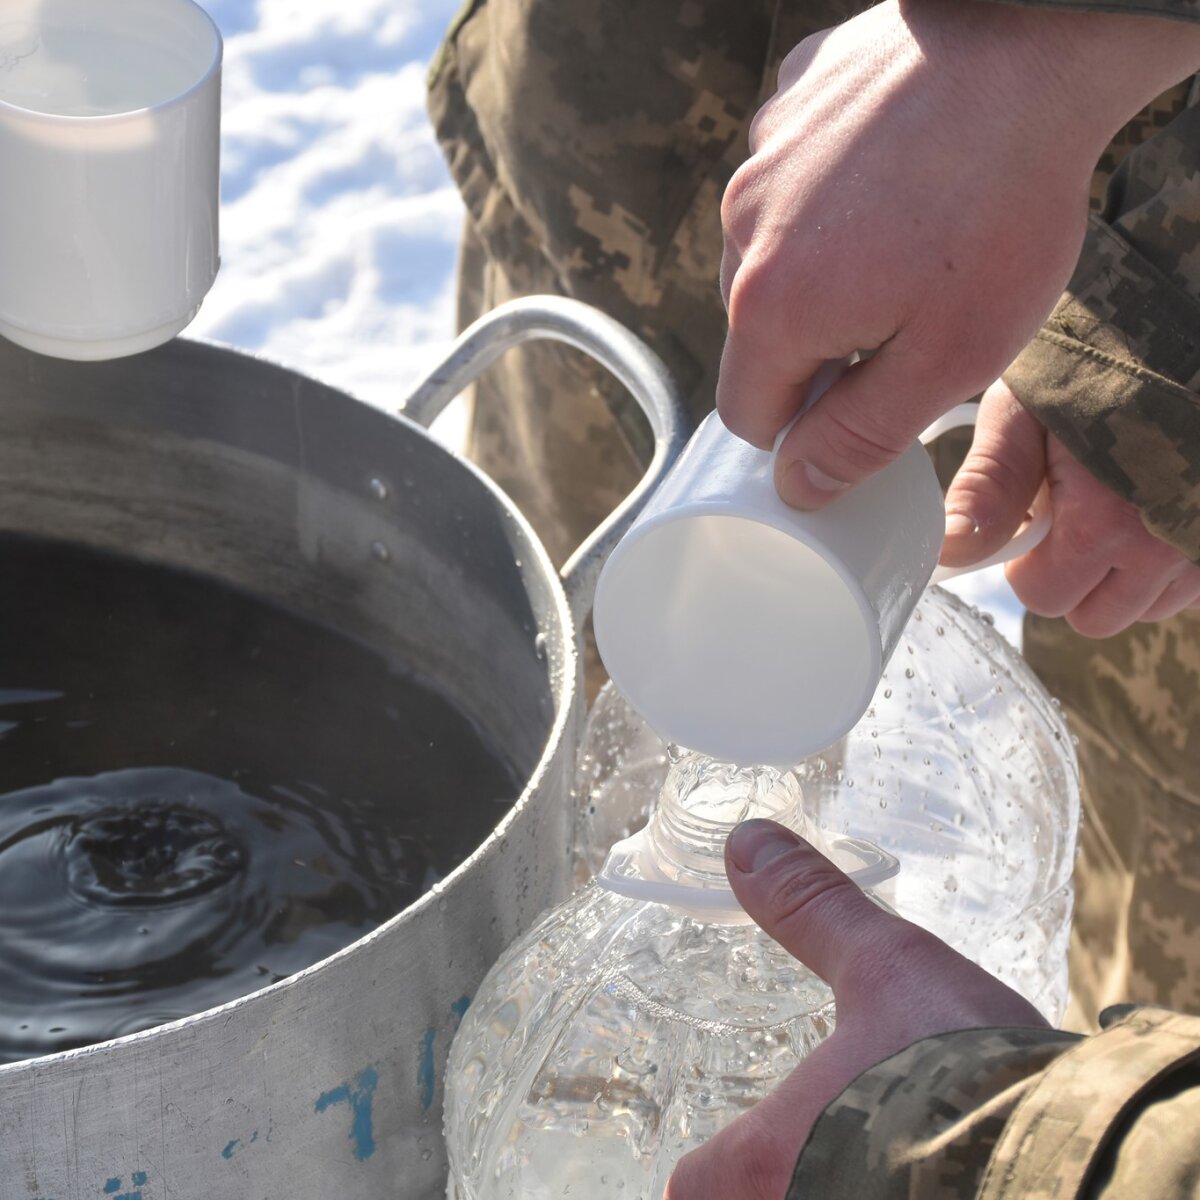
603	182
1134	704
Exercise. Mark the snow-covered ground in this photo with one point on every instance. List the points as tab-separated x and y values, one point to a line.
339	220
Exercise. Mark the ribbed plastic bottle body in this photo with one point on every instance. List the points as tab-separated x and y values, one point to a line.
613	1038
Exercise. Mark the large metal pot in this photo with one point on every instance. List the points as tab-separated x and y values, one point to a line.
329	1083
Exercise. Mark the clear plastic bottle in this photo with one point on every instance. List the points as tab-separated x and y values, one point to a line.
963	768
621	1032
621	768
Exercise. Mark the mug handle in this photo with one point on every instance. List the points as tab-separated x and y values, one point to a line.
1031	532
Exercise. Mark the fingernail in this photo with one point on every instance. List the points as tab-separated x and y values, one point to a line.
804	486
755	843
960	525
821	481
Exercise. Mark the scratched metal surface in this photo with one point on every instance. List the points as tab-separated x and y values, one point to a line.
328	1084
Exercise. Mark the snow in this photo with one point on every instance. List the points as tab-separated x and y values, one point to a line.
339	220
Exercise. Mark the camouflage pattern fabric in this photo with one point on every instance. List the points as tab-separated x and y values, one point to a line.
591	143
1018	1114
1134	703
1056	1143
891	1135
1155	117
554	455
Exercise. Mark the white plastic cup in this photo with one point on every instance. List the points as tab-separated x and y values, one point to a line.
754	632
109	172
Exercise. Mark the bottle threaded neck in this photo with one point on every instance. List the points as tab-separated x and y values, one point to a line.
703	800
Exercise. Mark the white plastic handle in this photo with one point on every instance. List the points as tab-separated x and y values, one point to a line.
1031	532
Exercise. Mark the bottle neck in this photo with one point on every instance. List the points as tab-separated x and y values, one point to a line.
701	803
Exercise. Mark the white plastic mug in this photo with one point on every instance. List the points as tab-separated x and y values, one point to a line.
109	161
754	632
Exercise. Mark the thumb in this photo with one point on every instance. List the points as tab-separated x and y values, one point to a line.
882	968
989	497
807	904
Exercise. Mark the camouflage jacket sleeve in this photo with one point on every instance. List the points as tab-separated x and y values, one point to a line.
1019	1114
1115	371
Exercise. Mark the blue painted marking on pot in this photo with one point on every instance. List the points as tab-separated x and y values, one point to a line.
112	1187
426	1072
426	1077
230	1147
359	1097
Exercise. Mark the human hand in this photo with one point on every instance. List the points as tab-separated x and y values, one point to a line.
1099	566
893	982
917	187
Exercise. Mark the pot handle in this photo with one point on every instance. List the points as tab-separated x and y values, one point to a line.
611	345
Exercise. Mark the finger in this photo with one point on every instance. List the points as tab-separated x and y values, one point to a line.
1123	597
1114	604
807	904
753	1158
865	421
1177	596
1056	576
820	916
758	392
989	497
